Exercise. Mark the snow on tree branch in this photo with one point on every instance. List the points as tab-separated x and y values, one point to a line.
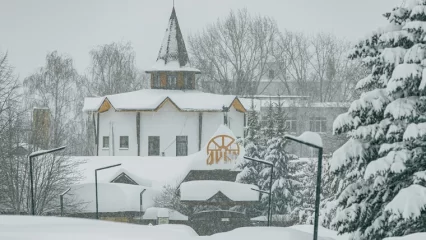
408	203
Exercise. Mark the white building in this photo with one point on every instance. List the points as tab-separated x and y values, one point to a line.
171	118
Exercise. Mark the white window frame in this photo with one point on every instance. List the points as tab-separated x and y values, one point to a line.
289	123
322	121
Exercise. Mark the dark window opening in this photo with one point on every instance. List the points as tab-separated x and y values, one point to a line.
105	142
157	80
188	81
181	145
124	141
153	146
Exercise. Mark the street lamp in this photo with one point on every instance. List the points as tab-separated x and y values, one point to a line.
30	159
313	140
61	199
140	202
96	184
270	185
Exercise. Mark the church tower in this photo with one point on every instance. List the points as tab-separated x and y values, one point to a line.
172	69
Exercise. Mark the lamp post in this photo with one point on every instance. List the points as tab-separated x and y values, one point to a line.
61	199
313	140
96	184
30	159
270	185
140	203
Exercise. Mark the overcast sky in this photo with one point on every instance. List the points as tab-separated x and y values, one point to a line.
30	29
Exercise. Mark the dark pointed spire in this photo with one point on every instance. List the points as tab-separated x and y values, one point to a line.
173	47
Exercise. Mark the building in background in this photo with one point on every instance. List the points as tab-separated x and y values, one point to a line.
171	118
302	115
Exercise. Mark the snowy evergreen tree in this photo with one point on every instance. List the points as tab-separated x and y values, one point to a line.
268	124
286	179
279	117
253	148
383	165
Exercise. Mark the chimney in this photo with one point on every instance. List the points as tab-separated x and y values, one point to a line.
41	128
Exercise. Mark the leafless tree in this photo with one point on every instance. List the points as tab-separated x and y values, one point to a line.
113	70
54	87
291	55
50	86
233	53
332	68
316	66
9	86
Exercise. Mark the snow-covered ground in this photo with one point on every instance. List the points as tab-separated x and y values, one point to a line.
49	228
53	228
415	236
322	232
270	233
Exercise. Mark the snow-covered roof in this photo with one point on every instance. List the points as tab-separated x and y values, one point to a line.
173	55
204	190
153	213
152	99
113	197
135	177
288	102
159	171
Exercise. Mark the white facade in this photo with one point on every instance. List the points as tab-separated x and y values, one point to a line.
166	123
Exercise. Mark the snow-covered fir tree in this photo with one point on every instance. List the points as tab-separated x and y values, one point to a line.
253	148
286	178
384	162
268	127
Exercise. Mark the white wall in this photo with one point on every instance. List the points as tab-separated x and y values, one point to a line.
211	122
236	122
124	124
167	123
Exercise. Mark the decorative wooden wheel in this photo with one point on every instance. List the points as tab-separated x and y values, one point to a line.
222	147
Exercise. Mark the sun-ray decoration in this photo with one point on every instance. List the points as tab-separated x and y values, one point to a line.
222	147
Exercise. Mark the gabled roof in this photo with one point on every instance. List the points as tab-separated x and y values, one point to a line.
154	99
123	175
173	55
206	190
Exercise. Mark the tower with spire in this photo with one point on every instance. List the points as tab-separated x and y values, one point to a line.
172	69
